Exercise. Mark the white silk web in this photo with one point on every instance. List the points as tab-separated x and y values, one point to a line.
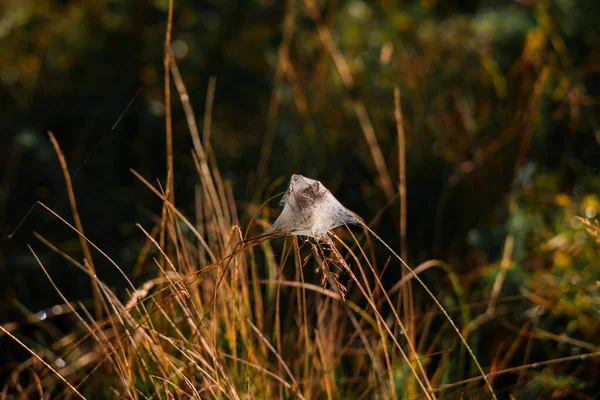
309	209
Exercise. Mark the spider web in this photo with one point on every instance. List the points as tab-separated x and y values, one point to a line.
309	209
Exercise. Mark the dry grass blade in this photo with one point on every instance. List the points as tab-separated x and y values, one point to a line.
295	386
385	180
343	70
34	354
407	295
442	309
282	56
91	243
168	124
180	215
94	331
426	387
519	368
84	245
265	371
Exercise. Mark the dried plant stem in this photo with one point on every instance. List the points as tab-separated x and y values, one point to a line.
282	57
200	157
33	353
367	127
104	342
401	170
367	293
168	122
377	366
407	295
77	221
442	309
170	195
518	130
519	368
490	311
509	242
295	386
359	107
92	244
429	389
325	36
200	238
210	101
301	301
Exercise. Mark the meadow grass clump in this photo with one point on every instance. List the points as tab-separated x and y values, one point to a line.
235	304
228	316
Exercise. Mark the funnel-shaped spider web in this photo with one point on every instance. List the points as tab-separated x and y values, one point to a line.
309	209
